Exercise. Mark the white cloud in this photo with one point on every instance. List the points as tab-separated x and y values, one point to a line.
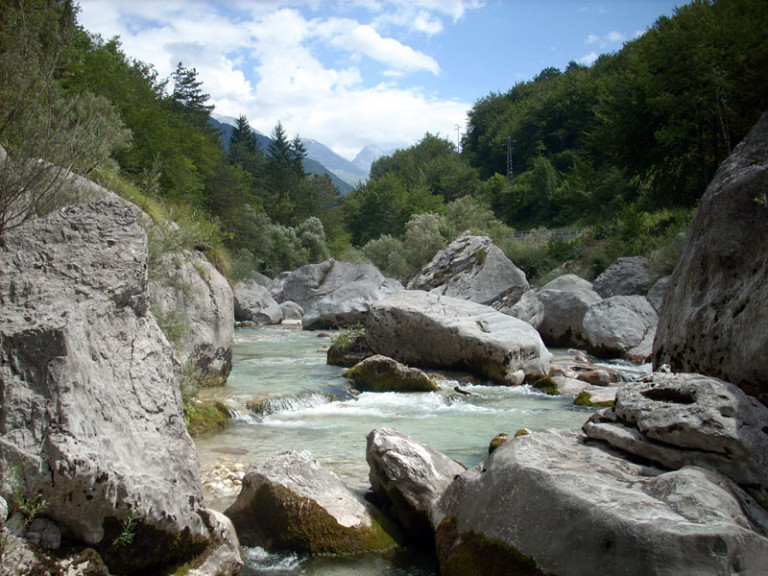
592	39
589	59
615	36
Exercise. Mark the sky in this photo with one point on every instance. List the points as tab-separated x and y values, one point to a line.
349	73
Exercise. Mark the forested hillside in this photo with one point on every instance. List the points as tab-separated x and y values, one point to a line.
621	150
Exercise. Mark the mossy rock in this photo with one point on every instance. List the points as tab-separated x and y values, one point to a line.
348	349
381	374
497	441
547	385
585	399
472	554
203	416
287	521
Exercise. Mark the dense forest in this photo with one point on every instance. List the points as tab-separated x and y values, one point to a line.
621	150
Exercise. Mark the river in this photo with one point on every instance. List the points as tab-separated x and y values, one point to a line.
285	397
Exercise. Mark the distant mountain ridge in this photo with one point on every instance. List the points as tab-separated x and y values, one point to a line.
320	158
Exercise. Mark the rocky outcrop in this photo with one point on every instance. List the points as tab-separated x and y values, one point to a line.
472	268
194	304
381	374
624	277
290	502
408	477
528	309
88	381
678	420
553	503
254	303
716	308
334	294
621	327
566	300
424	329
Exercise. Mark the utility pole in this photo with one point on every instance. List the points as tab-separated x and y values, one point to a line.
458	138
510	173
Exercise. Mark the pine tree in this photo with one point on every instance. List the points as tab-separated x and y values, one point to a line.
188	96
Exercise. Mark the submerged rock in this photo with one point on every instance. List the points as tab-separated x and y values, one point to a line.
472	268
290	502
424	329
381	374
715	312
408	476
551	503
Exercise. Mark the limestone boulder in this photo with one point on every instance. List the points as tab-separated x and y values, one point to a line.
472	268
254	303
621	327
192	298
335	294
658	290
689	419
527	308
349	348
713	320
88	382
290	502
381	374
624	277
420	328
408	477
292	312
552	503
566	300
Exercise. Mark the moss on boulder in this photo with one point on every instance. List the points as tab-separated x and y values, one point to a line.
381	374
547	385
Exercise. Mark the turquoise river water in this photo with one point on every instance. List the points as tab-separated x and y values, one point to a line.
299	402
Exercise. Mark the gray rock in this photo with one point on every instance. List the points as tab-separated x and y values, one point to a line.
292	312
658	290
291	502
254	303
528	309
472	268
409	477
713	320
3	511
381	374
689	419
423	329
195	295
550	503
225	558
621	326
88	377
20	556
335	294
566	300
44	532
624	277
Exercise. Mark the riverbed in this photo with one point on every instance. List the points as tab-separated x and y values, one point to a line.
283	396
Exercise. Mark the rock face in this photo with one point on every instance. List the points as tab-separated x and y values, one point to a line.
716	308
424	329
194	296
689	419
335	294
88	381
408	476
290	502
254	303
528	309
624	277
566	300
381	374
550	503
472	268
621	326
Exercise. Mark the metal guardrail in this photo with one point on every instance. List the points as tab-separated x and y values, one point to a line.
562	234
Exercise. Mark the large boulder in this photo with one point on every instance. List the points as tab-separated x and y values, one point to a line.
425	329
254	303
713	320
91	417
552	503
335	294
566	300
472	268
381	374
528	308
689	419
290	502
624	277
621	326
195	305
408	477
